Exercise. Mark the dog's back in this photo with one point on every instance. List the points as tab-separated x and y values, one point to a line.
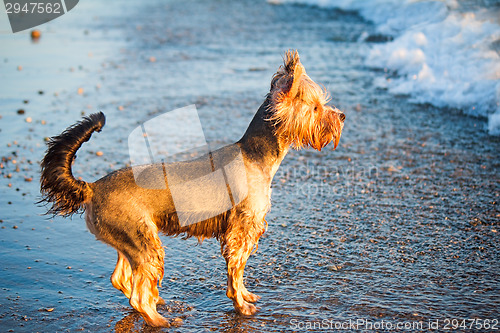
163	193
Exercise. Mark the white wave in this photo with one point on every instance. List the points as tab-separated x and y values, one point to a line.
441	53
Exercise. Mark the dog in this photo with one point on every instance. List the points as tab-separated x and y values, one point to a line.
129	217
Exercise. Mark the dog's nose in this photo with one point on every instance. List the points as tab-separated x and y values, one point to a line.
342	117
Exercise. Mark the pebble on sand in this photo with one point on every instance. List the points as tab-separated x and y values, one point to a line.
80	91
35	34
99	153
21	111
29	120
152	59
19	68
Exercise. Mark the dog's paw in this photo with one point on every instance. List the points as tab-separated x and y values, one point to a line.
160	321
250	297
246	309
157	321
160	301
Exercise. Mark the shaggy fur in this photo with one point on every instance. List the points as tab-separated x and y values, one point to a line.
129	217
58	185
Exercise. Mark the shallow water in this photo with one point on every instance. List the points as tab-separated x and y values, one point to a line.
399	224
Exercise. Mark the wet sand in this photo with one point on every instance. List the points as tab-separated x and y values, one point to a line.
399	224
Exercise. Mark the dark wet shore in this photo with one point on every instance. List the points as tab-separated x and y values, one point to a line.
399	224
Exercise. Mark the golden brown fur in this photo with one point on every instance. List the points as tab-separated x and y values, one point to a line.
301	127
128	217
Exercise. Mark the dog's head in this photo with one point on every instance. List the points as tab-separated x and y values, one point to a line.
299	108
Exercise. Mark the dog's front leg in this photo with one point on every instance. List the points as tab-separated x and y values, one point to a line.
237	246
236	254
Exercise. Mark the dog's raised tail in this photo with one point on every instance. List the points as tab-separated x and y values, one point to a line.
58	186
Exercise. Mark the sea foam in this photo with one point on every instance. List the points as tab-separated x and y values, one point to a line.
442	52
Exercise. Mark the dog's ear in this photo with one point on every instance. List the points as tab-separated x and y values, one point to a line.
295	79
287	80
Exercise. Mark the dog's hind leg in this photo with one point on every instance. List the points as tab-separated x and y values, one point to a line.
146	262
122	276
145	296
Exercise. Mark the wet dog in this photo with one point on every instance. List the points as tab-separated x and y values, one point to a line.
122	213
